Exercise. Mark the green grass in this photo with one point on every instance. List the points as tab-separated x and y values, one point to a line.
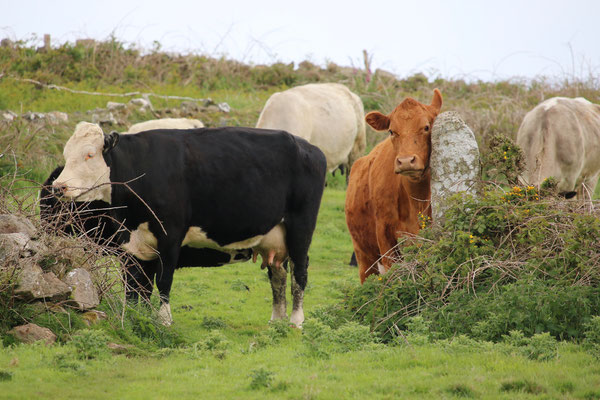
283	369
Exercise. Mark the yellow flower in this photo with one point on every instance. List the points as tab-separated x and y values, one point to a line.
380	278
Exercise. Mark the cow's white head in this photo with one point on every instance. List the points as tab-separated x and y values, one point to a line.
86	176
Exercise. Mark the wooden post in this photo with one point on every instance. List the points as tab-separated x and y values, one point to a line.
47	42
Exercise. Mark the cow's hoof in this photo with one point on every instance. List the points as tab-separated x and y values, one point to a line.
164	314
297	318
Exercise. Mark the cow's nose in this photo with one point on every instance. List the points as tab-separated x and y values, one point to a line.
59	187
406	163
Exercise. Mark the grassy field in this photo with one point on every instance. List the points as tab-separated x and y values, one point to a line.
221	344
238	298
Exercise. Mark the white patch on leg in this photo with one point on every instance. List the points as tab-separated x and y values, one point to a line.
297	317
164	314
381	268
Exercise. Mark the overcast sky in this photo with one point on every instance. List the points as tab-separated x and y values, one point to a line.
472	39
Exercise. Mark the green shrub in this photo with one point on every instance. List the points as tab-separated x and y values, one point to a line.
321	341
261	378
592	335
541	347
461	390
211	323
507	260
90	344
525	386
5	376
139	325
504	160
214	343
277	330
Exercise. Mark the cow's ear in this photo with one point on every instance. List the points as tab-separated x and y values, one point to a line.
436	103
110	141
378	121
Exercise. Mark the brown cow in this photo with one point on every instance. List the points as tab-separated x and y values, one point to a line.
390	187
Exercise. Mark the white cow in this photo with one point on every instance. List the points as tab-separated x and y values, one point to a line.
560	138
328	115
165	123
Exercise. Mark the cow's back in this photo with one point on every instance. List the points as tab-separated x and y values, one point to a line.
328	115
561	138
208	171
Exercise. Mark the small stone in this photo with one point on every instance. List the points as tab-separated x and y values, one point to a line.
189	107
142	103
84	295
454	160
118	348
104	119
112	106
19	243
224	107
34	284
56	117
31	333
8	115
91	317
33	116
13	224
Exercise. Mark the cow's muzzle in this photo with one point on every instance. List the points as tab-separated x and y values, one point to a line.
410	166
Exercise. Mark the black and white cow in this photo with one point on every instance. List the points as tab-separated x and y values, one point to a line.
221	188
93	220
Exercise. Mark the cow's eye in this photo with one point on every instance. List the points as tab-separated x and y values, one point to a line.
426	128
88	156
391	133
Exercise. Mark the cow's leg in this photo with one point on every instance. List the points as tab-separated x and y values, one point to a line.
164	279
367	264
139	280
278	277
386	240
297	316
299	234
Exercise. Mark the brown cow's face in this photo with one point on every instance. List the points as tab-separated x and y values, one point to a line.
410	127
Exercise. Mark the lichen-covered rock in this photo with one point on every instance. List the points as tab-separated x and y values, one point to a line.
13	224
56	117
454	160
8	115
104	119
35	284
113	106
19	243
93	316
32	333
84	295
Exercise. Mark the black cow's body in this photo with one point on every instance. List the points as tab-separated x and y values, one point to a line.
93	220
232	183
